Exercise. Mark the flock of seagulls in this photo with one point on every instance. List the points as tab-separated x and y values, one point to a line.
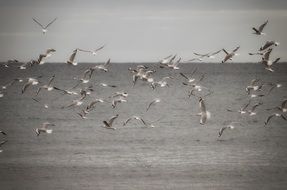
142	72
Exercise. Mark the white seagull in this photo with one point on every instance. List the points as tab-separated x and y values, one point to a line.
109	123
44	128
44	28
155	101
258	31
229	56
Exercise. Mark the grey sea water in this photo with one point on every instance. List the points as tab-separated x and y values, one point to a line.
178	153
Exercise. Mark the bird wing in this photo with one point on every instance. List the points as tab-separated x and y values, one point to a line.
2	142
50	23
98	49
225	51
107	63
126	121
255	106
284	104
112	119
268	119
214	53
260	29
221	131
184	76
51	80
276	60
255	30
267	54
38	23
72	57
25	87
202	105
237	48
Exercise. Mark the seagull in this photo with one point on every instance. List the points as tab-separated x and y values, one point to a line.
92	105
106	85
229	56
165	60
208	55
155	101
273	85
139	119
204	115
108	124
45	55
44	128
3	133
266	60
117	101
74	103
242	110
48	86
69	92
282	107
268	44
121	94
194	59
229	126
102	67
253	86
94	52
30	81
161	83
189	79
71	60
12	82
44	28
45	105
252	110
258	31
274	115
28	64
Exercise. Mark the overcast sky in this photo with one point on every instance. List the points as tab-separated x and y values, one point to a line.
140	30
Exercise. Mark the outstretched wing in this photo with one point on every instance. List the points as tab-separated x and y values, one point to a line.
38	23
262	26
51	23
112	119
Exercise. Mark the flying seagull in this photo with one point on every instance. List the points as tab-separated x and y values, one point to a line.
155	101
242	110
268	44
48	53
109	123
282	107
12	82
48	86
44	128
229	126
274	115
139	119
94	52
3	133
252	110
72	57
44	28
204	114
208	55
258	31
229	56
30	81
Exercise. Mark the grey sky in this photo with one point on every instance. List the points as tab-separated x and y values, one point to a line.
139	30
